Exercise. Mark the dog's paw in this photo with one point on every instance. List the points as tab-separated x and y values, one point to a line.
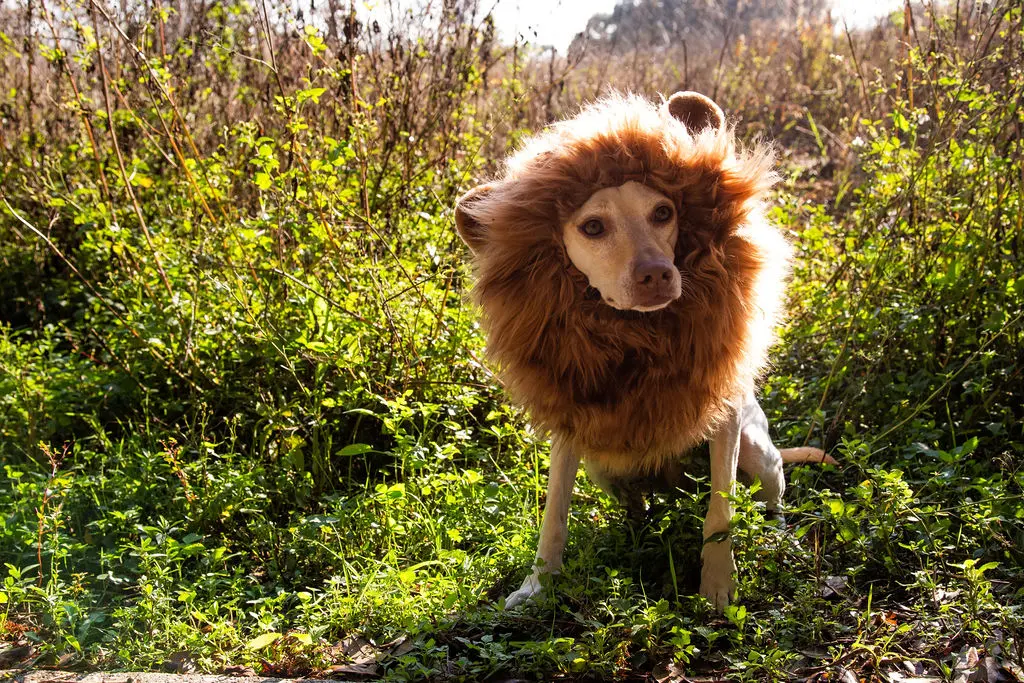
530	589
716	576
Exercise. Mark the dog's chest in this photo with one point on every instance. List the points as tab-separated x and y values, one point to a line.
618	381
629	365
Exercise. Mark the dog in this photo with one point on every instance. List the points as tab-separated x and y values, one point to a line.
629	283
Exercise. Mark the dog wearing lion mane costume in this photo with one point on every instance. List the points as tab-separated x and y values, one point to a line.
630	283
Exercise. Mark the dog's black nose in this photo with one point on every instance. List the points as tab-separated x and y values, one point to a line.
652	274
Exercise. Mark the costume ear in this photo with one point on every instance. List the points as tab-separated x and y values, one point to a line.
472	232
697	112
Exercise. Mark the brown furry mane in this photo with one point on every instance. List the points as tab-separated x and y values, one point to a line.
629	390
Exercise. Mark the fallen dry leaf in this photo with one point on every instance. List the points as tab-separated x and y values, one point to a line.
239	671
12	657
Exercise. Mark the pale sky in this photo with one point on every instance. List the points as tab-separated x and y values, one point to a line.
556	22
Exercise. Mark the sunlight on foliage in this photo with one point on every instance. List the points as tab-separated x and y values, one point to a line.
244	417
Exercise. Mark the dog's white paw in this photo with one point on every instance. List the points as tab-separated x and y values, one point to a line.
528	591
716	576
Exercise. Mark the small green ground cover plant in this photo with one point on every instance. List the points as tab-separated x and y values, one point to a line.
245	424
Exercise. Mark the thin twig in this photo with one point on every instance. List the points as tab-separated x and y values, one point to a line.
856	64
120	157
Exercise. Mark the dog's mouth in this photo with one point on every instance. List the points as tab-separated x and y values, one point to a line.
653	304
634	312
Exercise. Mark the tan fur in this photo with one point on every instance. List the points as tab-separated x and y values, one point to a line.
631	239
628	390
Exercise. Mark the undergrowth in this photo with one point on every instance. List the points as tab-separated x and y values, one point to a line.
244	420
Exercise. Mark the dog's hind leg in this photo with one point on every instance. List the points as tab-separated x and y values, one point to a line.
759	458
554	529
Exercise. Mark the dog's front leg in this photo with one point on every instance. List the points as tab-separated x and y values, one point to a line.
716	577
554	529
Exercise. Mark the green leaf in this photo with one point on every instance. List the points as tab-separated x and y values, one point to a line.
311	94
900	121
717	537
263	640
355	449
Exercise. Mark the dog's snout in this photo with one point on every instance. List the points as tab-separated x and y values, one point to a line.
656	282
653	274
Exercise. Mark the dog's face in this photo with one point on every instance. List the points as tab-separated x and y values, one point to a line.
623	239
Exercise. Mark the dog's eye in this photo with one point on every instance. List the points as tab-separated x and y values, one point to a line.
662	214
592	228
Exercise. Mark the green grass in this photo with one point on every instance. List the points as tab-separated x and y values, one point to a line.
244	419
